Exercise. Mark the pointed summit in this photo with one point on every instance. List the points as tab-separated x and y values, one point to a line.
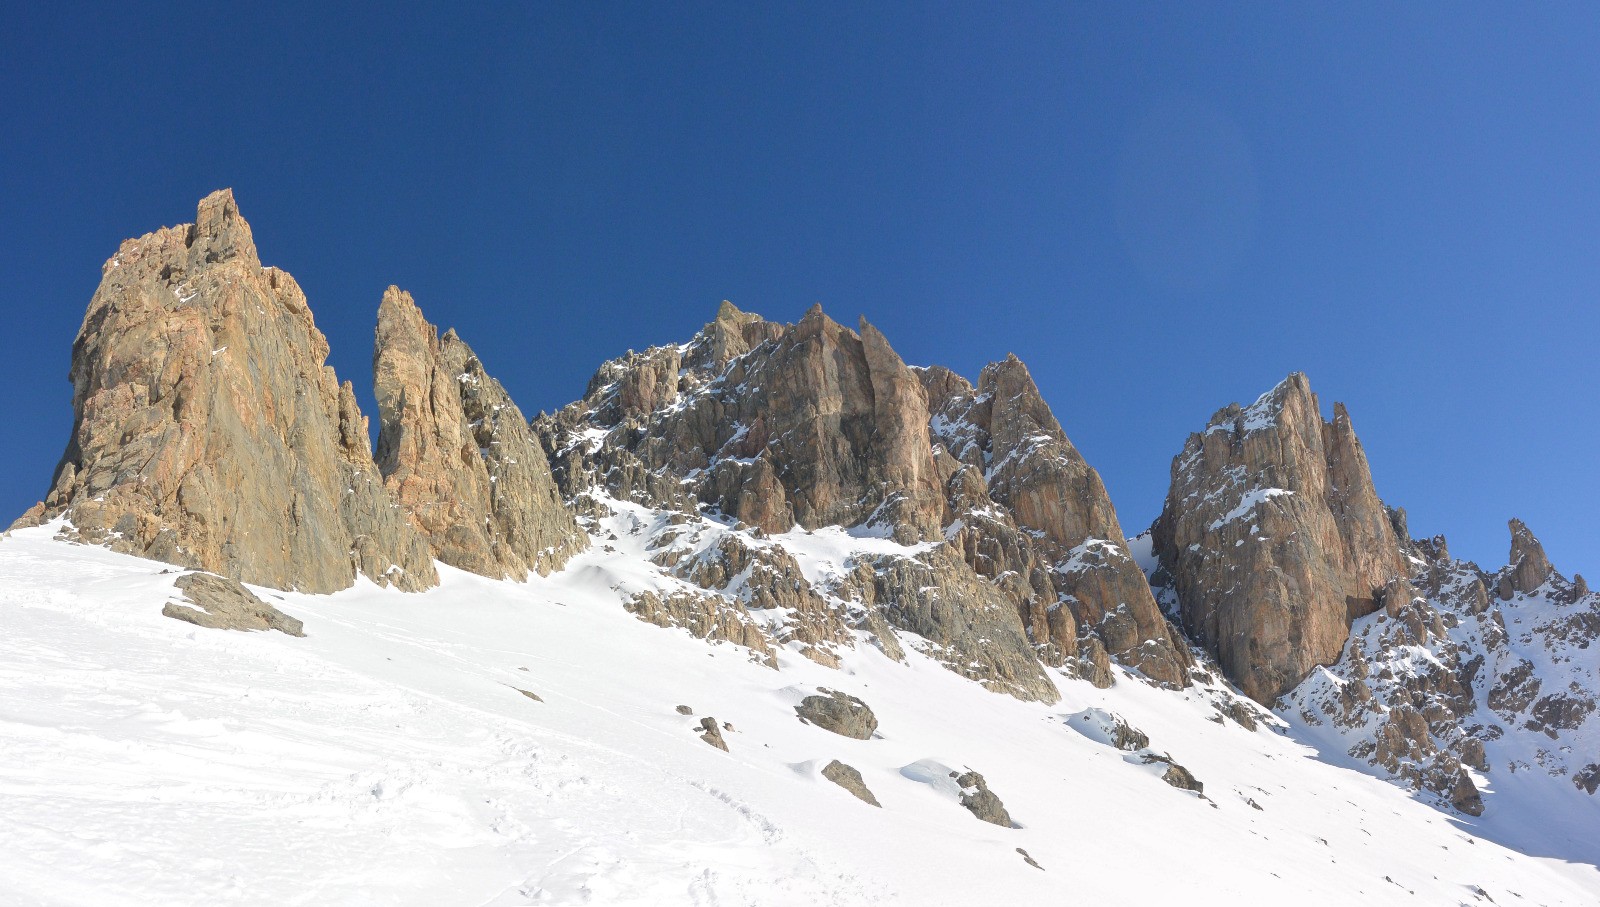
209	433
459	456
1275	537
1527	568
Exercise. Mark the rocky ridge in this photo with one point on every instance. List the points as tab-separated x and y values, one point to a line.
801	490
978	530
1467	675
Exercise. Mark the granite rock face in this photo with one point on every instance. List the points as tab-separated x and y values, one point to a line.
754	430
458	455
1275	539
209	433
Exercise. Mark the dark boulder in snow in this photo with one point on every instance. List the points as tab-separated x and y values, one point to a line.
981	801
710	733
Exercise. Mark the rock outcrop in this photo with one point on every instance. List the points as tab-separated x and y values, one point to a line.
979	800
1007	557
224	604
849	778
711	734
1465	671
840	713
1528	568
1275	539
209	433
459	456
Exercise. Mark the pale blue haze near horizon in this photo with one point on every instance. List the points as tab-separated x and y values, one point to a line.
1160	208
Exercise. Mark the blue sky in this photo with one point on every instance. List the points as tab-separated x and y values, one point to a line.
1160	208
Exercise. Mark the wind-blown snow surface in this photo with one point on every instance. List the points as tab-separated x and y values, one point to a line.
388	758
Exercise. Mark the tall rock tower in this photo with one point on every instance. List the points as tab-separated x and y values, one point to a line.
1274	538
209	433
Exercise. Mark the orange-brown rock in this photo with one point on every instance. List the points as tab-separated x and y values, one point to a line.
207	430
1275	538
459	456
1036	519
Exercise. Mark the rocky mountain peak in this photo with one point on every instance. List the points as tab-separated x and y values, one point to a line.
1275	538
219	232
207	430
1030	513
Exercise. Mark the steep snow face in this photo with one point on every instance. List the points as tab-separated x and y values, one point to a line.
392	757
1452	679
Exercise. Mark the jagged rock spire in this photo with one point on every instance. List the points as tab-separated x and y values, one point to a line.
1527	568
1275	537
207	431
459	456
1055	543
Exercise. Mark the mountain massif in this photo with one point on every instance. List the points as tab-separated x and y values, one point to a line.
798	489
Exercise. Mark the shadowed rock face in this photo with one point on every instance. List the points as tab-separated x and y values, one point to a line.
458	455
1274	538
207	431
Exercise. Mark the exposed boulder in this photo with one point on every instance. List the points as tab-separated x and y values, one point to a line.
980	800
459	456
1175	774
840	713
224	604
711	734
1275	538
209	433
848	778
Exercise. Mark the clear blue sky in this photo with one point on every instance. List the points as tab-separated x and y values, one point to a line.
1160	208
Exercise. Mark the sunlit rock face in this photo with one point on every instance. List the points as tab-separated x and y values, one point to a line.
1010	559
208	432
458	455
1274	538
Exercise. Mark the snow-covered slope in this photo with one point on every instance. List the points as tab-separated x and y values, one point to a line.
390	757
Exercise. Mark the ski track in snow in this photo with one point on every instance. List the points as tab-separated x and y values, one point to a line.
388	758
